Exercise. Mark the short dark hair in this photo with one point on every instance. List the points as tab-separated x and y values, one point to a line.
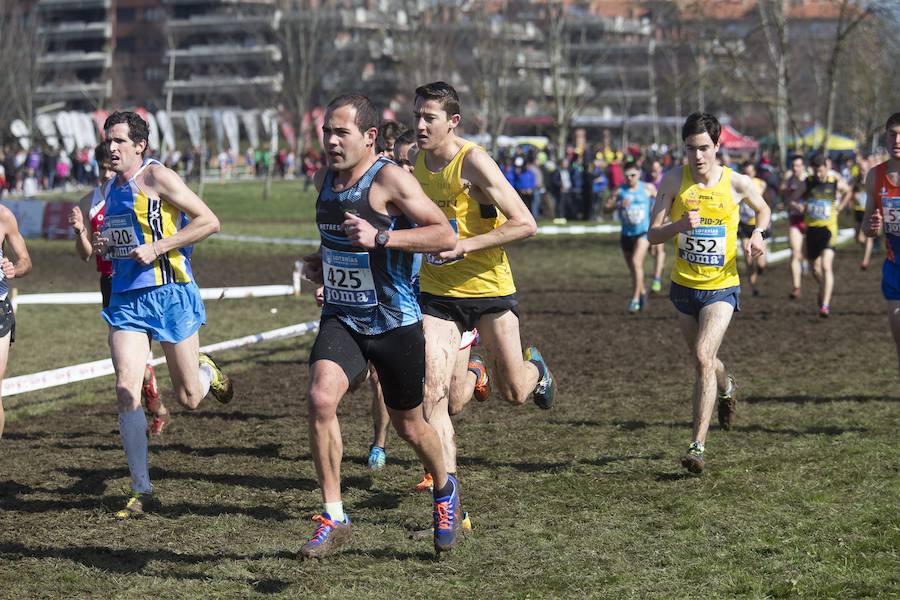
102	154
407	137
698	123
366	115
138	130
818	160
389	130
893	121
444	93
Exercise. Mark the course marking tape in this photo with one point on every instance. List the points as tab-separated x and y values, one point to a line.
256	291
99	368
267	240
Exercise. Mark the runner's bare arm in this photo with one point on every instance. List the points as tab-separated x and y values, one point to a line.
747	191
394	188
22	265
872	218
795	200
661	227
82	228
312	266
170	187
846	193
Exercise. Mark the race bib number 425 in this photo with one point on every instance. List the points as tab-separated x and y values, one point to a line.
703	246
348	278
891	212
119	230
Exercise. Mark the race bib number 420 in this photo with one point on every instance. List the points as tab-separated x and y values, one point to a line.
348	278
119	230
891	212
703	246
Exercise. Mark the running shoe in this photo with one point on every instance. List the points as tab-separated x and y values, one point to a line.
427	483
863	266
656	285
465	528
150	391
795	294
824	311
377	458
137	506
728	406
693	459
643	300
220	386
634	306
468	339
482	379
545	390
447	519
158	424
328	536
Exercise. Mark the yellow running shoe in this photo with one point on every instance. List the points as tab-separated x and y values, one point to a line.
220	386
137	506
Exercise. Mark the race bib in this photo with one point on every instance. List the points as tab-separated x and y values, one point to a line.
634	215
348	278
434	259
119	230
703	246
891	212
819	210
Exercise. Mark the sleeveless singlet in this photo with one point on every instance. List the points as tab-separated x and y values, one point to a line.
706	257
4	286
480	274
887	200
821	203
748	215
369	291
133	218
634	210
96	215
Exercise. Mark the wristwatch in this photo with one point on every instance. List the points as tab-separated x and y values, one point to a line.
381	238
763	233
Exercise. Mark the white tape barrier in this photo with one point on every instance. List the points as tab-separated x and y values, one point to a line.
256	291
267	240
99	368
785	253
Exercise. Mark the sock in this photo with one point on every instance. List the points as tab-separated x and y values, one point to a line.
335	510
133	429
206	377
444	491
699	446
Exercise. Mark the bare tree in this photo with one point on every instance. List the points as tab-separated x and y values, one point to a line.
567	88
775	30
20	47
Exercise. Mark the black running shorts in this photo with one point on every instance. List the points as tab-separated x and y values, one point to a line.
818	239
106	288
398	356
7	320
466	311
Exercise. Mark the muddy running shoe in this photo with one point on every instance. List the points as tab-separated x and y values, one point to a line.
158	424
693	460
150	391
656	285
824	311
728	406
220	386
545	390
328	536
427	483
643	301
465	528
137	506
447	519
634	306
482	379
377	458
795	294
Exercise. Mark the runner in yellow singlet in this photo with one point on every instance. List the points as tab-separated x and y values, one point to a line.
698	205
471	285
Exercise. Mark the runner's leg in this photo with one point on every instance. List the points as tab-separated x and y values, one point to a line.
515	377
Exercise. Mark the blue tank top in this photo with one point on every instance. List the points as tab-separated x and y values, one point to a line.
634	210
133	217
370	291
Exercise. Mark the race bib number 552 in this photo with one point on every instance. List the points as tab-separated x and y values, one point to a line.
891	212
703	246
348	278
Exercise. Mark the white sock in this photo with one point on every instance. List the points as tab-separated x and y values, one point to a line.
133	429
335	510
206	377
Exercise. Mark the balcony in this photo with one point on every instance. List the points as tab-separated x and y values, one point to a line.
76	30
74	91
223	23
227	84
76	60
222	54
51	5
219	2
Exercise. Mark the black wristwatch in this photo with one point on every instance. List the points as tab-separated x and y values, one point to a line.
763	233
381	238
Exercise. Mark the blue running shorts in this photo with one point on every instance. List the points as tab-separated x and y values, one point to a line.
890	280
689	301
169	313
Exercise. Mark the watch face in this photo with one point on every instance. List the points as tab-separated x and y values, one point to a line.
381	238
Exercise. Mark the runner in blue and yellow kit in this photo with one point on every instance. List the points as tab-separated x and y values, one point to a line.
152	220
883	211
699	206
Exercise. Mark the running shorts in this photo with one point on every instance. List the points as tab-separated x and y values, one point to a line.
890	280
690	301
7	320
628	242
466	312
168	313
818	239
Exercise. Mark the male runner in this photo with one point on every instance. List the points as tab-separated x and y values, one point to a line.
859	212
94	205
883	210
470	285
755	264
147	235
9	234
796	224
633	201
657	251
373	218
698	204
824	195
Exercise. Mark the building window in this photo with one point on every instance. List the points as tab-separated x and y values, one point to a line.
154	14
155	74
126	15
126	44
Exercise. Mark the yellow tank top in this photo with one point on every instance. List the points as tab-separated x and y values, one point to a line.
480	274
821	203
706	257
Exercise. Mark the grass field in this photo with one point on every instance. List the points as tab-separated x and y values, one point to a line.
584	501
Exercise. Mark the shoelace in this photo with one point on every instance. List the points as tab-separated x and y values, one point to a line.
443	514
322	529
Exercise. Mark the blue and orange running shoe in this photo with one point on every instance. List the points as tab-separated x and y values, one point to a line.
545	390
482	378
447	519
328	536
377	458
